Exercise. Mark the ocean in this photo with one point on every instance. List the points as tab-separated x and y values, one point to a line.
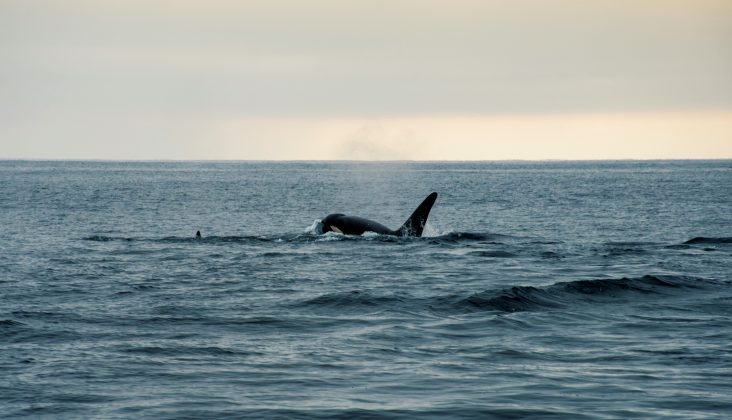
540	289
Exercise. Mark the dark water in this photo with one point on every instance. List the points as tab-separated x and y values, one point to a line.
599	289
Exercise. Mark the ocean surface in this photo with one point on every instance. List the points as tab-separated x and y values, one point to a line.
540	289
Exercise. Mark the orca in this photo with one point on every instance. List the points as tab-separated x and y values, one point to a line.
354	225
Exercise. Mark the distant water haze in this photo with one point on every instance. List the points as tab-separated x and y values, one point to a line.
376	80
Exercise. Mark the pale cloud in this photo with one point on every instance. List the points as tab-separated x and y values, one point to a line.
164	75
662	135
657	135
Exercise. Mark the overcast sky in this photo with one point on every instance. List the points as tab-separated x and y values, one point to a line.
296	79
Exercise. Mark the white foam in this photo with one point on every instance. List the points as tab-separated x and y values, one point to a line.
430	231
314	228
330	236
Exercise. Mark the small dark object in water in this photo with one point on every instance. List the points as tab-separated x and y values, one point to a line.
198	234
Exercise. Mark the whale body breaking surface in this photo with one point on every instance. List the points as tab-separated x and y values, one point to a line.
354	225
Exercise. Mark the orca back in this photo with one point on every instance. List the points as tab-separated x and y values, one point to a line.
353	225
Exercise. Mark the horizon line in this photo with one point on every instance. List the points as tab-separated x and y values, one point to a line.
356	160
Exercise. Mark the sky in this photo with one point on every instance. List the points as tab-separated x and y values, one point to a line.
371	80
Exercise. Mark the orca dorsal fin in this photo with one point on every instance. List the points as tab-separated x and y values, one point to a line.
415	224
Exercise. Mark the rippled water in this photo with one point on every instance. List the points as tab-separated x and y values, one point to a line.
598	289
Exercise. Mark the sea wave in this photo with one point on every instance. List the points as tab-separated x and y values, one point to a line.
516	298
706	240
307	236
572	293
352	300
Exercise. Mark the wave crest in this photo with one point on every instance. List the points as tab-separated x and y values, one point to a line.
567	294
517	298
352	300
706	240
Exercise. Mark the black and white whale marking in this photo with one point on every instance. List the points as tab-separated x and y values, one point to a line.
353	225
